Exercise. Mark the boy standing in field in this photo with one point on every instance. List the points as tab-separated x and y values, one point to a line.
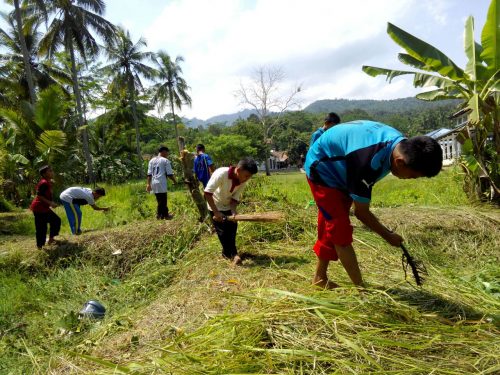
331	119
223	193
203	165
342	166
41	207
159	168
74	197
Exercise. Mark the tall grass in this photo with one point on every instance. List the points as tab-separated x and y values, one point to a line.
175	307
129	203
444	190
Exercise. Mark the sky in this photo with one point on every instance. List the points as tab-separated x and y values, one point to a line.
320	45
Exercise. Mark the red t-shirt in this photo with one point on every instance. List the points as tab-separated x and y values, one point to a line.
43	189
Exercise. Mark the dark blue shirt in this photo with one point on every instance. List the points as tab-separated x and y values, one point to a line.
352	157
201	164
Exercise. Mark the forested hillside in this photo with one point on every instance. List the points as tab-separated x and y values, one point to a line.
374	107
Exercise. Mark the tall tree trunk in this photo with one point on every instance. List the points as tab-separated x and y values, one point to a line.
180	146
267	148
136	126
24	50
267	164
81	123
187	160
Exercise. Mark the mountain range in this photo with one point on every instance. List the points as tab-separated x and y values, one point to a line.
370	106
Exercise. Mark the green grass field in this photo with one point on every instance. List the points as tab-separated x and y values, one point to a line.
174	306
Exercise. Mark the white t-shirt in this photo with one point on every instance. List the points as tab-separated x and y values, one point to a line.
220	186
159	168
79	193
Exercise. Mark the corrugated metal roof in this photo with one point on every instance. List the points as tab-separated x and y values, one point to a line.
438	133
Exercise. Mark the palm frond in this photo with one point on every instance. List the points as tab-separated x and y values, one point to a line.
51	141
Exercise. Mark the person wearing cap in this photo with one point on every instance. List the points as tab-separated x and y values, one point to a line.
331	119
41	207
203	165
159	169
74	197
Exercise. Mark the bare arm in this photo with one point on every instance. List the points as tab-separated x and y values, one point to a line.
233	205
148	185
47	201
218	216
172	178
99	208
363	213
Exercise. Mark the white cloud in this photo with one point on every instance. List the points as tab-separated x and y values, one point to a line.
222	40
320	43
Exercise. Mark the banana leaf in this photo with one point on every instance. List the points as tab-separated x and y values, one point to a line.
433	58
490	37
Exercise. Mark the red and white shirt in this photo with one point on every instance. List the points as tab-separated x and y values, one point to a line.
224	186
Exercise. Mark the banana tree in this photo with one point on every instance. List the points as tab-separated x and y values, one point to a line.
477	86
32	134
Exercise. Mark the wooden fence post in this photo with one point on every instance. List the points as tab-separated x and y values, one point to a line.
187	161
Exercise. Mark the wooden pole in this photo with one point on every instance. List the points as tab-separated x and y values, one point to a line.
187	161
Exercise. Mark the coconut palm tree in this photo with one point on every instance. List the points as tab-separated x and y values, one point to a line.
38	4
43	73
173	88
127	67
71	28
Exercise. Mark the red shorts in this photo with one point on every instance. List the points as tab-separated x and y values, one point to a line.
334	226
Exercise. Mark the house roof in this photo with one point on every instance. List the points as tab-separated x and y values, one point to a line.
280	155
443	132
438	133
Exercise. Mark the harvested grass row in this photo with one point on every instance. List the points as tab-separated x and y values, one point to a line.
291	333
118	251
451	326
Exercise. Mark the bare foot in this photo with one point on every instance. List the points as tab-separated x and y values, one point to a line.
237	260
362	287
51	241
325	284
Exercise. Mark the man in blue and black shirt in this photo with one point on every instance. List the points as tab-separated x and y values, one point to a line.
342	166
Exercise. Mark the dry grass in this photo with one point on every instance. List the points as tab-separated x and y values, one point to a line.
117	251
264	317
204	316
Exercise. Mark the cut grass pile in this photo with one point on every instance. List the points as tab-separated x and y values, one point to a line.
199	315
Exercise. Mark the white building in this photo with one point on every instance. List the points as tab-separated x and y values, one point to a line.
451	140
277	160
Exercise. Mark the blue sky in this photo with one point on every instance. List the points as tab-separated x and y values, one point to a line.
320	44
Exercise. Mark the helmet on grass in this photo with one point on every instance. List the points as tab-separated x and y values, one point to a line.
93	310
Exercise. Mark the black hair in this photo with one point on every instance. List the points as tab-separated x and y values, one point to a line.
163	148
43	169
100	191
333	118
200	147
422	154
248	164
